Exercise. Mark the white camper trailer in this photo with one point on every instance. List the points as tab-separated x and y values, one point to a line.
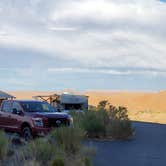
73	102
66	101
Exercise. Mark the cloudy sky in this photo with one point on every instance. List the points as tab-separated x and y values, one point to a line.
82	44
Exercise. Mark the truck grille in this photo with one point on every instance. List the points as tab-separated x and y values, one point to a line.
58	122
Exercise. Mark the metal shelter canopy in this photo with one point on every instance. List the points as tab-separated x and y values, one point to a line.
4	95
48	98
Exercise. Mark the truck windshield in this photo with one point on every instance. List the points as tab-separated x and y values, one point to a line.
37	106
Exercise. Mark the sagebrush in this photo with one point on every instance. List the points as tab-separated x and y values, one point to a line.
105	120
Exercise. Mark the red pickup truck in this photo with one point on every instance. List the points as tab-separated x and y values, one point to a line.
31	118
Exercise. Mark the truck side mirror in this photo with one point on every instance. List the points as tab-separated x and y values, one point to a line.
14	111
18	112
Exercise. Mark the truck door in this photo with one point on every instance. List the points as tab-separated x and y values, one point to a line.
1	118
16	119
5	114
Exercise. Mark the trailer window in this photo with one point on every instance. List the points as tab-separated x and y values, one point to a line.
72	106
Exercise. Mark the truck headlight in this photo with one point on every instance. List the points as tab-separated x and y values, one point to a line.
71	119
38	122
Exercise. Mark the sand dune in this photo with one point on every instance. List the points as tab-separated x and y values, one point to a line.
144	106
28	94
134	101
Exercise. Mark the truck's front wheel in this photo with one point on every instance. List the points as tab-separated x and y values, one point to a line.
27	134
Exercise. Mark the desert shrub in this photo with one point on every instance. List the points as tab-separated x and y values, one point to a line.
77	118
4	145
81	158
103	116
32	163
105	120
62	147
120	113
94	120
87	161
57	161
74	160
40	150
102	105
120	129
68	138
78	160
120	126
88	153
91	107
93	123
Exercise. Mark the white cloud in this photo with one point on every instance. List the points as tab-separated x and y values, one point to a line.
101	33
62	28
92	71
3	33
106	71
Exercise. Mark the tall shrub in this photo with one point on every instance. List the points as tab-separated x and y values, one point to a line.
68	138
93	123
120	126
4	144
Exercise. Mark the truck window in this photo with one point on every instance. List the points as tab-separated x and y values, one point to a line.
7	106
29	106
16	106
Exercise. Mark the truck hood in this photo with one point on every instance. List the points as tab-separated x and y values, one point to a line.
53	115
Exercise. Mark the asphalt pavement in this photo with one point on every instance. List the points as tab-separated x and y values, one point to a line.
147	148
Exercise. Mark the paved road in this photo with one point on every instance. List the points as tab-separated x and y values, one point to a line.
148	148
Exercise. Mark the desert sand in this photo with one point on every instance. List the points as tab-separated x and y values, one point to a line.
142	106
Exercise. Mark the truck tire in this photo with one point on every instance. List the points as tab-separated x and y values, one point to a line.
27	134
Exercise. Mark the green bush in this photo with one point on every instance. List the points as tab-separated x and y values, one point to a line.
77	118
93	123
119	113
32	163
103	105
120	126
105	120
88	161
120	129
88	153
40	150
4	144
57	161
68	138
62	147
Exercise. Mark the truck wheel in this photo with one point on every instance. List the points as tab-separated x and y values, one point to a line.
27	134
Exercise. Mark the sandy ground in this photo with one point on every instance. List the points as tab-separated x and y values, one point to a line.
147	107
142	106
